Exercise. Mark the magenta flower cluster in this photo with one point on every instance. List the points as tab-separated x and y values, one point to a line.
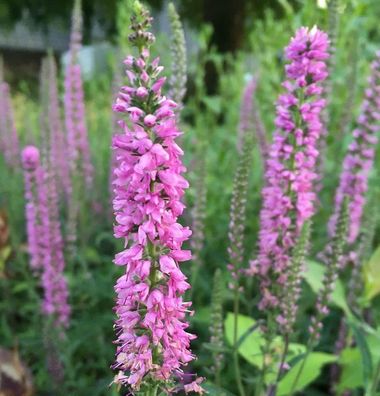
45	243
153	343
288	196
359	159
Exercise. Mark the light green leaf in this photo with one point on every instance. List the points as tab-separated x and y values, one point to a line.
5	253
352	376
250	348
373	341
214	390
202	316
252	342
371	271
361	342
213	103
311	370
314	277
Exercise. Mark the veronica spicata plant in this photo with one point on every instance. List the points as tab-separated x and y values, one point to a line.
289	197
45	242
153	345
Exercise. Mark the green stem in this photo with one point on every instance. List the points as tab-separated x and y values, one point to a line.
376	381
152	391
235	339
269	338
298	376
273	389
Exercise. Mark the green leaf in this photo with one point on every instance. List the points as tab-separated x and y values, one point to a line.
371	271
252	341
362	344
213	103
314	276
20	287
202	316
373	341
311	370
91	255
5	253
250	348
350	360
214	390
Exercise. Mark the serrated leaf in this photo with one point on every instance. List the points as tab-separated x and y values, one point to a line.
311	371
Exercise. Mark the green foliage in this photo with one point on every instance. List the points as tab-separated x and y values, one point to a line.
351	377
371	271
314	277
251	342
312	369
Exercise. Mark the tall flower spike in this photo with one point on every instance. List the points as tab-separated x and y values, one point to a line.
198	213
178	76
289	197
58	154
352	85
216	327
44	237
238	208
363	250
250	119
332	30
44	138
8	132
358	161
152	342
75	112
333	261
78	152
289	304
33	179
56	292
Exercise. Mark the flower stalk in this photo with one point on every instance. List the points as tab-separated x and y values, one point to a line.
152	342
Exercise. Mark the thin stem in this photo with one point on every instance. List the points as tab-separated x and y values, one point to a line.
273	388
235	339
266	350
152	391
376	381
298	376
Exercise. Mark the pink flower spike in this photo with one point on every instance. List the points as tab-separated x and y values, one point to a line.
288	196
148	188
